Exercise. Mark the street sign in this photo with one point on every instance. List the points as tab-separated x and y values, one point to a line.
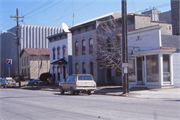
9	62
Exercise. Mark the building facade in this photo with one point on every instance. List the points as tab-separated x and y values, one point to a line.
34	62
60	46
155	58
31	36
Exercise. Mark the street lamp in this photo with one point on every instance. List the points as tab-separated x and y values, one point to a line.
17	38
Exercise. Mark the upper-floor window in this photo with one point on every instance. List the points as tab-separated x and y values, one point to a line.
84	67
53	53
24	61
84	47
76	48
109	45
58	52
90	45
64	51
27	61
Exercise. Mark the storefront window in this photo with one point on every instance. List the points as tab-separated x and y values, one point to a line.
152	68
131	70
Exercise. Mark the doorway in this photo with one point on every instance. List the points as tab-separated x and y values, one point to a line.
140	69
64	72
166	68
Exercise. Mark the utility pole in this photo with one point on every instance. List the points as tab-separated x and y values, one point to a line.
125	48
17	35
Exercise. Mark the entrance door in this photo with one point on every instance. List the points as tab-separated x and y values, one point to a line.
64	72
166	68
140	70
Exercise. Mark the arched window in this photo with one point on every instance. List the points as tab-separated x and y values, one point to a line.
91	68
90	45
58	52
53	53
64	51
84	67
83	47
76	48
77	68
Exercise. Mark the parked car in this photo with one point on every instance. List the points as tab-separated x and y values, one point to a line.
77	83
8	82
33	81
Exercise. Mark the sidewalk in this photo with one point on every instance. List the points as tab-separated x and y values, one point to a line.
172	93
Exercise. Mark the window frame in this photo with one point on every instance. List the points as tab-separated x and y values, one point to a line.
90	46
83	46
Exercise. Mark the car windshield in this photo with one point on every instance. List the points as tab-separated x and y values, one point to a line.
85	78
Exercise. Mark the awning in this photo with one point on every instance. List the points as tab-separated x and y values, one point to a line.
60	62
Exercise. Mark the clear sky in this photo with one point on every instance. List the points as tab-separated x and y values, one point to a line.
55	12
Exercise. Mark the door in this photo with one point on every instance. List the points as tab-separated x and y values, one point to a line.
166	68
140	70
64	72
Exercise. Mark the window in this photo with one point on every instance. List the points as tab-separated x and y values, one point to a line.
91	68
25	72
22	73
83	47
58	69
53	53
131	70
58	52
90	45
169	27
27	61
77	68
76	48
54	72
118	72
85	78
24	61
109	45
84	67
64	52
152	68
28	73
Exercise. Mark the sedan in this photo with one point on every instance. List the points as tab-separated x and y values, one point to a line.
8	82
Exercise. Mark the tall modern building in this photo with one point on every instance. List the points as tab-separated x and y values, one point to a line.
175	11
31	36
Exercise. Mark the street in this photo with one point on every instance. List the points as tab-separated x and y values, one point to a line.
19	104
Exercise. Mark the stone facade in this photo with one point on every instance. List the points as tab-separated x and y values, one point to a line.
30	65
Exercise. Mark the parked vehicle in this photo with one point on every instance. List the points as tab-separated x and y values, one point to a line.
8	82
33	81
77	83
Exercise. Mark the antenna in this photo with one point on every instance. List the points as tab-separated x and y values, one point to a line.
65	27
73	13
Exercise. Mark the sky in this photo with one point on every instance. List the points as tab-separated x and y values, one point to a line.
55	12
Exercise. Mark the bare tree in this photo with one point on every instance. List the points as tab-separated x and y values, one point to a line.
109	44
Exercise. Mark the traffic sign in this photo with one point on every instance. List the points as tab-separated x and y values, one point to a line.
9	62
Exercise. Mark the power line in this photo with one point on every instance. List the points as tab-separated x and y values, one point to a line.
38	8
63	13
46	9
33	3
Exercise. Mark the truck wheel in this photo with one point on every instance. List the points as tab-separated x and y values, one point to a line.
72	91
89	92
61	90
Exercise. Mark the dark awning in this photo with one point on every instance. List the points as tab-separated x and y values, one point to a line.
60	62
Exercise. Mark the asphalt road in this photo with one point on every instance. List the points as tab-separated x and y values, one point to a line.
19	104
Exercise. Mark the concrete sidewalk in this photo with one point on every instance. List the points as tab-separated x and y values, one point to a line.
172	93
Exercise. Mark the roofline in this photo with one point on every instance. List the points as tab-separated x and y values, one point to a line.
142	29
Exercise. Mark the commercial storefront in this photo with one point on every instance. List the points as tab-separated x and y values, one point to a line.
151	64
